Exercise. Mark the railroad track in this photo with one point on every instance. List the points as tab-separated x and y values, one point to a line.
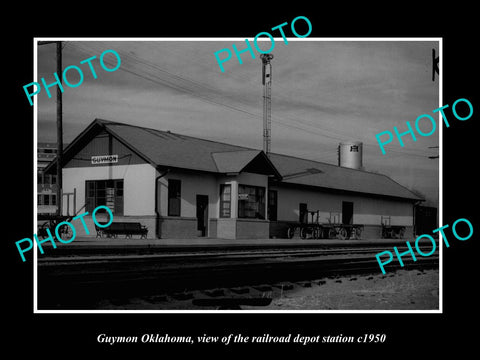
80	282
209	255
132	248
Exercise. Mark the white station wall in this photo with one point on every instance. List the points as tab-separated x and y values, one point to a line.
191	185
138	186
366	210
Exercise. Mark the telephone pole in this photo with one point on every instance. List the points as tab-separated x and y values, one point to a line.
59	124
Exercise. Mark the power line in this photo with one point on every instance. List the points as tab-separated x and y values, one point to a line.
160	76
181	88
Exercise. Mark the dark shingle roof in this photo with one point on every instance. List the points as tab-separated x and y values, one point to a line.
313	173
170	149
163	148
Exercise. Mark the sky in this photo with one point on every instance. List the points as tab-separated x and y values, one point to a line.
323	93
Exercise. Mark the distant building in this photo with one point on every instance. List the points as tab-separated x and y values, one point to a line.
46	183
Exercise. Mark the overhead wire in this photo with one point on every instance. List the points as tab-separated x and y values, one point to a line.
181	88
154	73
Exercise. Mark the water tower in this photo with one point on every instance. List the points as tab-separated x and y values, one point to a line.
350	154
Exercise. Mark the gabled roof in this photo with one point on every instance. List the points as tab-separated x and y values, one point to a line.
234	161
313	173
167	149
255	161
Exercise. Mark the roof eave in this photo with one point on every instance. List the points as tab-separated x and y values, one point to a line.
333	190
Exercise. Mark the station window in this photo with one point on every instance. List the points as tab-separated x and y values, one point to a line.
174	197
46	179
225	200
104	192
251	202
46	199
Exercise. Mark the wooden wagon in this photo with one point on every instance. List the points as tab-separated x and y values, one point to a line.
391	231
48	221
313	229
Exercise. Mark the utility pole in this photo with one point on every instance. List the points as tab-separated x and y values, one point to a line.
59	124
436	156
267	100
434	65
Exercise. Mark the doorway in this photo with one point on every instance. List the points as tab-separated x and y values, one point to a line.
202	214
347	212
303	213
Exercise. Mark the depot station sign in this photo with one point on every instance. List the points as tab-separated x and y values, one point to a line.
104	159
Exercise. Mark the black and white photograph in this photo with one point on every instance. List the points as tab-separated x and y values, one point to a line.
188	182
240	179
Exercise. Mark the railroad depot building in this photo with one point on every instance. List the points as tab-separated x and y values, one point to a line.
184	187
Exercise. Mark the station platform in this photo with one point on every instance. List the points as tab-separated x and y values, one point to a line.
105	248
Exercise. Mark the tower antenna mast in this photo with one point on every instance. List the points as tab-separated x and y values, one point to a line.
267	100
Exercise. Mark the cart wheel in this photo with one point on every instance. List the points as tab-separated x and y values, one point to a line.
303	233
42	230
324	233
66	232
342	234
332	233
290	232
358	233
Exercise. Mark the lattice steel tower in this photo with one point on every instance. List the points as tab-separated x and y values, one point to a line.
267	100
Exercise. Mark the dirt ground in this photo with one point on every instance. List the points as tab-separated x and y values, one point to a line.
400	290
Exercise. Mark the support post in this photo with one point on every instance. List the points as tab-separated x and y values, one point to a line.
59	131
